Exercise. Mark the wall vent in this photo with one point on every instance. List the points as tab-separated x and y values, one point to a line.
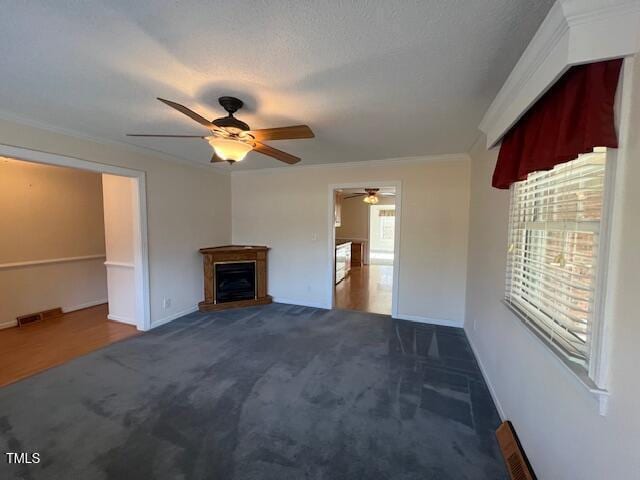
514	457
35	317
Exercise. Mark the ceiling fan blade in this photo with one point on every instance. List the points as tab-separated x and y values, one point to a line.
283	133
163	136
216	159
190	113
355	195
275	153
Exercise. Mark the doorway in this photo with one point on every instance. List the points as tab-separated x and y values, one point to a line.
142	319
64	227
364	246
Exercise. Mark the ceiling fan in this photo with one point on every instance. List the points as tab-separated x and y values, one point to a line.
371	195
232	139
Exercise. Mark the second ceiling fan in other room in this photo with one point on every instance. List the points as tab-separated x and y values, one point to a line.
370	195
232	139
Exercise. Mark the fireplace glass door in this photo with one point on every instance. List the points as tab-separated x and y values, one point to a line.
235	281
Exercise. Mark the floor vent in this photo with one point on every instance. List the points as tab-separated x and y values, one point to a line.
514	457
35	317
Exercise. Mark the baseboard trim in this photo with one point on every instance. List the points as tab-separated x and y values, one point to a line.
84	305
429	320
487	380
9	324
173	316
300	304
122	319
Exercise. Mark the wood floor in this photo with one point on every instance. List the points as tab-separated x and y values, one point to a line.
367	289
39	346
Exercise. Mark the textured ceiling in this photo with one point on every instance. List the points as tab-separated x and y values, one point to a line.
374	79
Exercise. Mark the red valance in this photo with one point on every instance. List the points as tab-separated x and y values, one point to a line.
572	117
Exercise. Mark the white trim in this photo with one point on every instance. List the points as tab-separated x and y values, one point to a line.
174	316
142	150
569	35
39	156
429	320
119	264
615	214
413	160
9	324
143	320
49	261
84	305
487	380
597	354
397	184
121	319
298	303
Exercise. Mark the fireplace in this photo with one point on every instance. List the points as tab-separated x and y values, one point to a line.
234	276
235	281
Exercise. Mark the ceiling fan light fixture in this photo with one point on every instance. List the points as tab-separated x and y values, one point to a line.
371	199
230	149
231	139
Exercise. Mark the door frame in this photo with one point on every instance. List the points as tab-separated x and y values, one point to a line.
397	184
141	256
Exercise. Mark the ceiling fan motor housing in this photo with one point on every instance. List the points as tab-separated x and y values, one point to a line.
231	105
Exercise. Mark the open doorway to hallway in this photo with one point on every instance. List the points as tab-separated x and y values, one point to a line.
365	233
68	263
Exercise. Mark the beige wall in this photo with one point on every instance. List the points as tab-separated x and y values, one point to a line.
287	210
557	420
49	213
187	208
355	222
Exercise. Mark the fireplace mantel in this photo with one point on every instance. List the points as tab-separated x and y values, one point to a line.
234	254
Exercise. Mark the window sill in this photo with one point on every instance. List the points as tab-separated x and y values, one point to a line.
579	375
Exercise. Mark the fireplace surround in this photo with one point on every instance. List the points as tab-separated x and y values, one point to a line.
234	276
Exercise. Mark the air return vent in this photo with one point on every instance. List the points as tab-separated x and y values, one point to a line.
44	315
514	457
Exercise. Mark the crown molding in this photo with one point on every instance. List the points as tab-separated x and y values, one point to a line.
147	151
414	160
574	32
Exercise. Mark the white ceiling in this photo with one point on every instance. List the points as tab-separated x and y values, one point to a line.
374	79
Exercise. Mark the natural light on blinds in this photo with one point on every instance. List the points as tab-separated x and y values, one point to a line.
554	233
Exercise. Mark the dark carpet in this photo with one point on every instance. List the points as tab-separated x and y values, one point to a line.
275	392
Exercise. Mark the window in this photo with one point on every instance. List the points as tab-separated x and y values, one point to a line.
554	249
387	223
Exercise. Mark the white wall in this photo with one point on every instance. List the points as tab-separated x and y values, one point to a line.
187	208
287	210
119	194
48	215
556	418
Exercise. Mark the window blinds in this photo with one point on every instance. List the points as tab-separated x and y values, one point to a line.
554	239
